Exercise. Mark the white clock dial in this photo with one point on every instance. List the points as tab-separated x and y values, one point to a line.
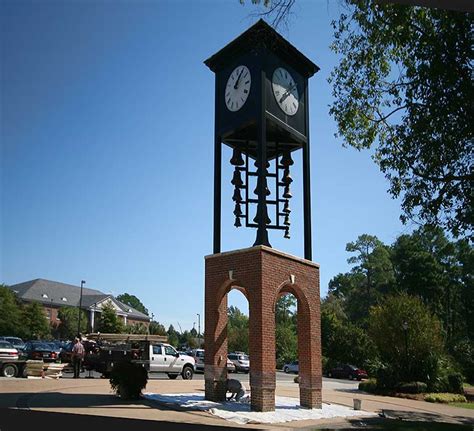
285	91
238	88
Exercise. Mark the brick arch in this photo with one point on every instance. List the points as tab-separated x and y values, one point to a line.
262	274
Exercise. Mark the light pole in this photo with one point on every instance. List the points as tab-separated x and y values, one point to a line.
199	329
80	306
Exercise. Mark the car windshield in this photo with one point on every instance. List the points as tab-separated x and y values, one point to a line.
40	346
200	354
6	345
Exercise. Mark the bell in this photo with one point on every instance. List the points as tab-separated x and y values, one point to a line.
236	179
237	222
287	220
287	194
287	233
237	210
286	160
237	196
237	159
286	207
265	215
286	178
267	190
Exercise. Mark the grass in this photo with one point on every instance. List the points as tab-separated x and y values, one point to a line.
468	405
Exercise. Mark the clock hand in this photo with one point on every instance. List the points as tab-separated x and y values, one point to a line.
287	93
238	80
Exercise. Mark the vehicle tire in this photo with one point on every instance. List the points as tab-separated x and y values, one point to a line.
187	373
247	371
286	370
24	372
9	370
172	376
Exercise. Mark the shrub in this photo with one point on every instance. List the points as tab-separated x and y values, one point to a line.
456	381
128	379
412	388
445	398
369	386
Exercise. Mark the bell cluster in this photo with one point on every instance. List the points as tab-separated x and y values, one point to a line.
283	188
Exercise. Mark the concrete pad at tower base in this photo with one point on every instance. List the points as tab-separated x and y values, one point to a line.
286	409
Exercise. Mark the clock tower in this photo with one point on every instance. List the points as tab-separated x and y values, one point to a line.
261	112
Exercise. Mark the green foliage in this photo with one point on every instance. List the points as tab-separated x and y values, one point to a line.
137	328
371	277
237	330
11	322
412	388
156	328
128	379
445	398
412	355
286	344
463	353
35	321
173	336
132	301
109	322
67	328
369	386
404	86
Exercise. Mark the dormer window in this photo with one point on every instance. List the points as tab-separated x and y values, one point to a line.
44	296
129	310
64	299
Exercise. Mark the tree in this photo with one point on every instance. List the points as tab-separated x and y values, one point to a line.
411	354
109	322
132	301
404	85
36	322
156	328
286	335
371	277
11	322
237	330
173	336
68	316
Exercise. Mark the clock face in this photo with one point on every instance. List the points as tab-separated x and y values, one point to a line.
238	88
285	91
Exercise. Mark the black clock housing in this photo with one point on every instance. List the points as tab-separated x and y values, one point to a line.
262	50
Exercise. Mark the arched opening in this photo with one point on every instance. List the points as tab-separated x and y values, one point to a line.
286	334
237	333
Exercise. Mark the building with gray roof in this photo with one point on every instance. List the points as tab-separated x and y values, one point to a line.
53	295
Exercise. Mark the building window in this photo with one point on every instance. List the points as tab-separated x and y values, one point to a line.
44	295
64	299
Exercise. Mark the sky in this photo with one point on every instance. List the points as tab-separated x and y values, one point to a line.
107	120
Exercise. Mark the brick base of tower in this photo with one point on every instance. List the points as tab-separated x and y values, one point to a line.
262	274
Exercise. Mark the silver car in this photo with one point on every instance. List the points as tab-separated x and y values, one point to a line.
240	360
292	367
7	351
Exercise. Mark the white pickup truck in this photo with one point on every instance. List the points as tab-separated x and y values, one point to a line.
165	359
149	350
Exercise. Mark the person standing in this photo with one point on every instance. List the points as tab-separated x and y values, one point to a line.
78	352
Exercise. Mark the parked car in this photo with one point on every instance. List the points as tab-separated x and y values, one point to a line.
40	351
198	355
18	343
291	367
7	351
240	360
65	354
345	371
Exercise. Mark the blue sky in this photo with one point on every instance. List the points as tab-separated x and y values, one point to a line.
107	116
